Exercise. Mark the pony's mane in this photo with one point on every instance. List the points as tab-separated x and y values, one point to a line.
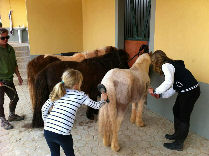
142	58
98	52
143	62
111	53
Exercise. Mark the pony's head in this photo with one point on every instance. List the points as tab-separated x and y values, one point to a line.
123	58
145	48
114	58
109	49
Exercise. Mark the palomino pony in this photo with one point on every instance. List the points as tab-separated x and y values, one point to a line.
93	71
40	62
124	86
79	57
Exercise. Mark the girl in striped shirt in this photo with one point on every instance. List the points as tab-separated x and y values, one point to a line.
64	101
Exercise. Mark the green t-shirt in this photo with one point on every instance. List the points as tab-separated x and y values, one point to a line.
8	63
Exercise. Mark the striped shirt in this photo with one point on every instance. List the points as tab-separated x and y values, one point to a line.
61	118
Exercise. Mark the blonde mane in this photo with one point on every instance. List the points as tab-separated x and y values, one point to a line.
142	62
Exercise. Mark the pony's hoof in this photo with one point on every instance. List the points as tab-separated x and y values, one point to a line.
140	124
132	120
115	148
106	143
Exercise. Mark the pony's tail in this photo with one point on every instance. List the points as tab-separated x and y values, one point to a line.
104	120
31	73
41	96
108	111
33	68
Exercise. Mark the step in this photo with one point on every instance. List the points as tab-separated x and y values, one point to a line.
22	65
23	59
23	48
22	53
20	46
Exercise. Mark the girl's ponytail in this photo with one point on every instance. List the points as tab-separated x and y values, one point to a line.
69	78
58	91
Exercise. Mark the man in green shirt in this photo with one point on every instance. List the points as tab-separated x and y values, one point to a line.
8	66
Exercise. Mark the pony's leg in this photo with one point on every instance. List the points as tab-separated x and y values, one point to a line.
120	115
133	113
90	113
114	142
139	121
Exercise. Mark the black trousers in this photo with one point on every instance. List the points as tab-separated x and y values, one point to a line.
182	110
12	94
55	140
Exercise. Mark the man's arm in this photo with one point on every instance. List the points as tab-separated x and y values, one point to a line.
18	76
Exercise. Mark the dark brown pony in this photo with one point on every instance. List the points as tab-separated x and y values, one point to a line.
38	63
93	70
33	67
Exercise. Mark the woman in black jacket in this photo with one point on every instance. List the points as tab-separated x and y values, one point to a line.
177	79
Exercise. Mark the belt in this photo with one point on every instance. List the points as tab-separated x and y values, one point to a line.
188	89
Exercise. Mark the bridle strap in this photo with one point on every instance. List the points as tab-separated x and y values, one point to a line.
139	53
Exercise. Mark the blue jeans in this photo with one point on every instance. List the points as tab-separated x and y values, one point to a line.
55	140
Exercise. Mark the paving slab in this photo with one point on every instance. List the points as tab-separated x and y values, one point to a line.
134	141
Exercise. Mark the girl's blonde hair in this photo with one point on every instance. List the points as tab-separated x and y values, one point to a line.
158	59
70	78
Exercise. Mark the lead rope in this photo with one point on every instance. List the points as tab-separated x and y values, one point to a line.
134	56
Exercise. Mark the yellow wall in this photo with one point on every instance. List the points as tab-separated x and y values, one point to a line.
182	31
55	26
18	12
98	23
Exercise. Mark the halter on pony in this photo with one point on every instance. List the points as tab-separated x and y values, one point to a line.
143	47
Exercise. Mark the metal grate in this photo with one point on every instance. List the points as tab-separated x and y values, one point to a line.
137	19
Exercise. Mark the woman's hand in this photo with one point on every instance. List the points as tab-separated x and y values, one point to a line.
157	96
104	96
151	91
